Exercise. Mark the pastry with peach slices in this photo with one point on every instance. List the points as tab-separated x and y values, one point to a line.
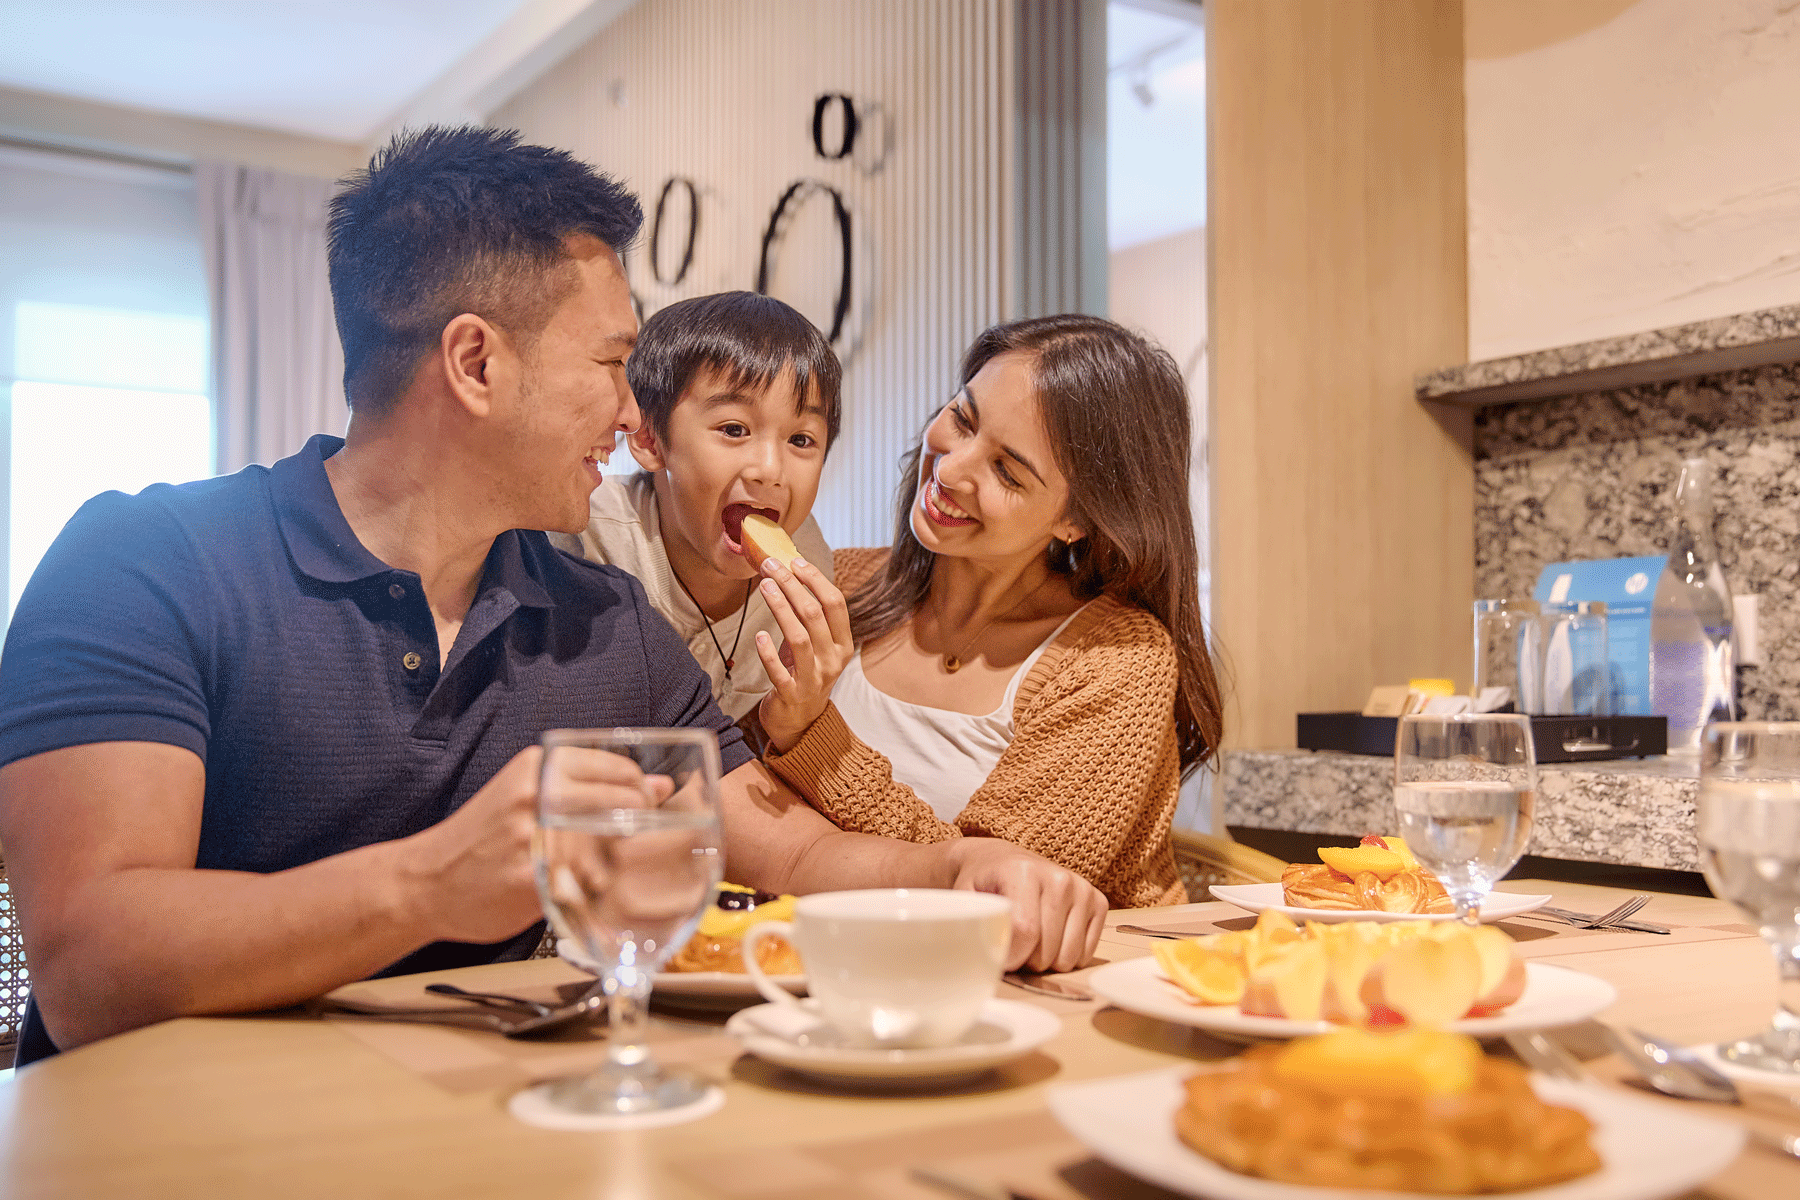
1411	1111
1380	875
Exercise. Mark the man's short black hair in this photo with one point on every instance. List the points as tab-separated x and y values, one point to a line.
450	221
748	337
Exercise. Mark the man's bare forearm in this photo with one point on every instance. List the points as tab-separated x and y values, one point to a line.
122	930
145	944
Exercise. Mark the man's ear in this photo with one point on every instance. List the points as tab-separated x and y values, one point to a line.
477	363
645	447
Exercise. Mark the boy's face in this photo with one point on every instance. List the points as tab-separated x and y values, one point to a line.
729	453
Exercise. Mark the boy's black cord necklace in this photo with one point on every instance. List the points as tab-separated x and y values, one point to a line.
730	659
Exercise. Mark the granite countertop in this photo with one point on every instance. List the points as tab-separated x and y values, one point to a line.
1753	339
1631	812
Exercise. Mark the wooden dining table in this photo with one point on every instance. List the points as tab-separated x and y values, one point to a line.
297	1103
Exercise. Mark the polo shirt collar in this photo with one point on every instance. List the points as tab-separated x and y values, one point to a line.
324	547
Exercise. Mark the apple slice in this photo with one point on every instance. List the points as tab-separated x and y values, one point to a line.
764	539
1430	982
1291	984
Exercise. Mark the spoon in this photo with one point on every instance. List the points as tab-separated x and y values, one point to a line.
1672	1070
493	999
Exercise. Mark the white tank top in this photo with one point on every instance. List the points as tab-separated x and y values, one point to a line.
942	756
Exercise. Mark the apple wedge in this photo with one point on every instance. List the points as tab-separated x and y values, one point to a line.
1289	984
1428	982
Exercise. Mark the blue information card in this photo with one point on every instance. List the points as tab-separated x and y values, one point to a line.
1628	588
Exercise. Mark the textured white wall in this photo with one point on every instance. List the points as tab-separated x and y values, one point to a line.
722	91
1638	173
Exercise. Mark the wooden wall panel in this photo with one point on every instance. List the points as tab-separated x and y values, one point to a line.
1343	509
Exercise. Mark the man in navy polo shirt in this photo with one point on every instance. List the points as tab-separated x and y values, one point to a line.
265	734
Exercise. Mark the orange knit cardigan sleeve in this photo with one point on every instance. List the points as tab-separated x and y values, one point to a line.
1090	780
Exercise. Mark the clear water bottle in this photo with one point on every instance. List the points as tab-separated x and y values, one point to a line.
1692	676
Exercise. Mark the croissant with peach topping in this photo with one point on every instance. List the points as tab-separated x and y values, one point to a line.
1381	875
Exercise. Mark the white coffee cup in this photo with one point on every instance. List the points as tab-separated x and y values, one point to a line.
893	968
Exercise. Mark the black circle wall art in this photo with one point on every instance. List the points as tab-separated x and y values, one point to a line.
656	229
851	123
792	200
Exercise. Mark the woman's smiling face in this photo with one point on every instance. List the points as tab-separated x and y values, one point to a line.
989	486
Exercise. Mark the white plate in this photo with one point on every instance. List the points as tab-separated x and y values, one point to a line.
1648	1150
1258	896
1005	1030
1553	996
697	989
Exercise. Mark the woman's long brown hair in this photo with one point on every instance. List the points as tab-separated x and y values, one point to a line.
1116	412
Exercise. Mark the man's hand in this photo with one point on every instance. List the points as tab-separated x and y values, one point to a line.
1057	915
815	623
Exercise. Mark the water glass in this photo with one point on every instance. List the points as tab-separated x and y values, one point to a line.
1506	650
627	852
1749	826
1576	677
1465	786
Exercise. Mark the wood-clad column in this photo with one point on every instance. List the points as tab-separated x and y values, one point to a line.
1343	509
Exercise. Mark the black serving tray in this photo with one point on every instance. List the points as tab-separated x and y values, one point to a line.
1558	739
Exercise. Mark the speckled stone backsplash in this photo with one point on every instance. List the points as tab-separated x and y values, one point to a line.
1593	476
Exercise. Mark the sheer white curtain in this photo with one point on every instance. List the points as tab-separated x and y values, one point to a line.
277	366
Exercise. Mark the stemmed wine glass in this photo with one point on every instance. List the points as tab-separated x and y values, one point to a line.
1749	826
1466	786
627	853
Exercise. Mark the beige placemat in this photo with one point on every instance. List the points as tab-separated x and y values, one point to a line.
472	1060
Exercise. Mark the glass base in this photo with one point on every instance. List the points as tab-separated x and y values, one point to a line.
1776	1049
606	1100
611	1091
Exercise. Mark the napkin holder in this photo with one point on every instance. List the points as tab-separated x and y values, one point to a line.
1558	739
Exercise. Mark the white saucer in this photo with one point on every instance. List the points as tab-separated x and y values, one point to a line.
1005	1030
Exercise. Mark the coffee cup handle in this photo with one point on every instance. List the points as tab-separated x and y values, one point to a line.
770	991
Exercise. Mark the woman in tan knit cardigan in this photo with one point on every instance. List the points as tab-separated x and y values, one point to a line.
1027	662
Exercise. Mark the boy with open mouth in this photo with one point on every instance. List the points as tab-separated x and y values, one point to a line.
740	399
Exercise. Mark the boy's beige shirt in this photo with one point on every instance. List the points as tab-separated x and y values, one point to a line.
624	530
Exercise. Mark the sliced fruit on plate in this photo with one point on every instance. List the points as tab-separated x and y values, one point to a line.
1354	860
1426	981
1202	971
1291	984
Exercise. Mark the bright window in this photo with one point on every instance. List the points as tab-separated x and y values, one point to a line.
103	400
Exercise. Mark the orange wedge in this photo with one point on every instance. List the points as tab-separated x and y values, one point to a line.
1206	975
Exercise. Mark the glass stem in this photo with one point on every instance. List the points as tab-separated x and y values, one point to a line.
1786	946
628	1013
1468	907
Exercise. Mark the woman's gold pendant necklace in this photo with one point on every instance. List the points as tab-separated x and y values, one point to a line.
953	662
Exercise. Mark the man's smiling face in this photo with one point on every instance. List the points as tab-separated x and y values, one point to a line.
573	396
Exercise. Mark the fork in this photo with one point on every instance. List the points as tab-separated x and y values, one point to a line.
1623	912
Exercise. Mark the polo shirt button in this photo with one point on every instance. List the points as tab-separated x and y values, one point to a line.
396	591
411	661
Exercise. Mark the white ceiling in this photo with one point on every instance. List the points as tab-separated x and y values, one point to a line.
337	69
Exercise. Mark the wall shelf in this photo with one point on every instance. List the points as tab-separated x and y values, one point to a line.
1753	339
